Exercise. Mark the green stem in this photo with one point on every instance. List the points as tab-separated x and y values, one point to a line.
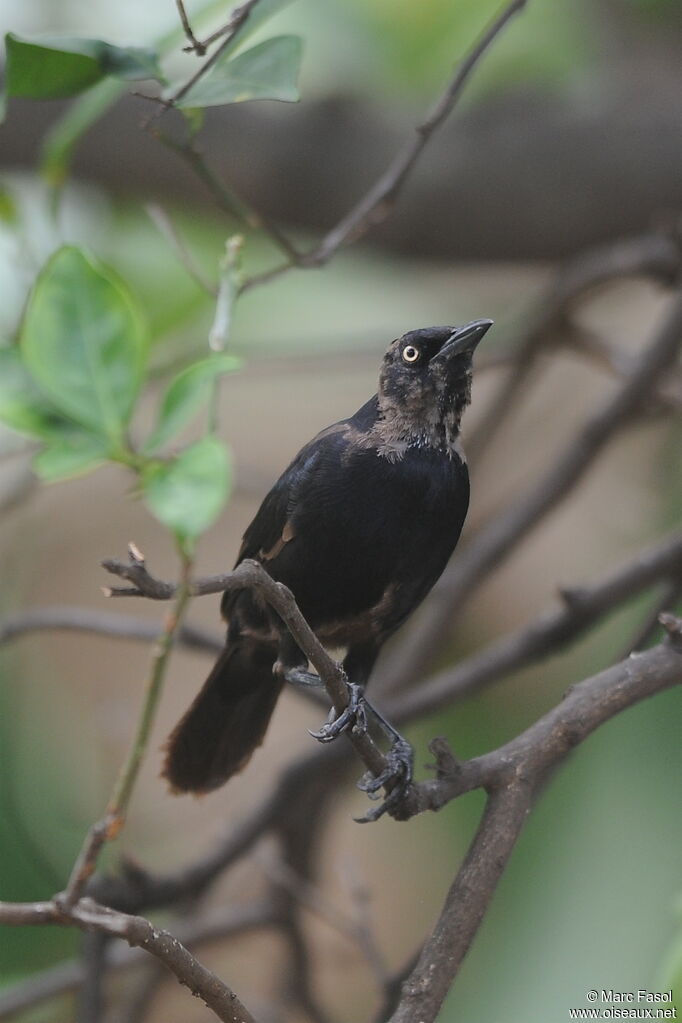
120	797
109	827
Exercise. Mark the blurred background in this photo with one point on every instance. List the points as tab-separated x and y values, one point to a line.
569	136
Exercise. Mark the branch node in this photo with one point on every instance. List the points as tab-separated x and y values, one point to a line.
447	766
135	554
673	626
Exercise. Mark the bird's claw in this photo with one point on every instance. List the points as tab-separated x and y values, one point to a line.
353	717
397	774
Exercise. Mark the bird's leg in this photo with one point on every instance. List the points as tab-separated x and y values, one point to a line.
291	664
400	759
357	666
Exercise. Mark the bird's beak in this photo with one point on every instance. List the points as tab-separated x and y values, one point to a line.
464	339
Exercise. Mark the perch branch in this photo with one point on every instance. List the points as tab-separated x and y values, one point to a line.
512	775
583	607
250	574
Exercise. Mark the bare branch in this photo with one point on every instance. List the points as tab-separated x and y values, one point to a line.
586	706
512	775
139	933
671	595
237	18
103	623
466	902
583	608
223	923
666	396
194	44
226	199
379	201
655	255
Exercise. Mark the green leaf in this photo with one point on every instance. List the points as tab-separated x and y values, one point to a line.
83	342
22	406
186	395
9	213
53	67
188	493
267	71
71	455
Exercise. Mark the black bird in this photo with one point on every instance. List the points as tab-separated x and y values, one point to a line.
359	527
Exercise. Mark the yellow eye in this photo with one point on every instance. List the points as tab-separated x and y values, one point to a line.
410	353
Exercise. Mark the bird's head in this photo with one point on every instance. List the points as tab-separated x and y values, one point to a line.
425	383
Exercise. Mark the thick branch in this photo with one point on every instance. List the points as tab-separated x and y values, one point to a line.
466	903
585	707
512	774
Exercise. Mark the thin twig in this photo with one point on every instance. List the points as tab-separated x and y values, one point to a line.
655	255
379	201
667	601
583	607
103	623
237	17
227	199
166	227
199	48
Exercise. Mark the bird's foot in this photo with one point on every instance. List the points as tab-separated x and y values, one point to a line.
298	677
397	776
352	717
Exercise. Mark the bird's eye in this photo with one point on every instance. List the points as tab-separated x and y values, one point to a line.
410	353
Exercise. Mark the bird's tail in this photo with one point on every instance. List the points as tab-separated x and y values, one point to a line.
226	721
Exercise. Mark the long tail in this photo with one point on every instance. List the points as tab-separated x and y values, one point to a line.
226	721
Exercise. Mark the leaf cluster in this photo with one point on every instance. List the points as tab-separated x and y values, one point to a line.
73	381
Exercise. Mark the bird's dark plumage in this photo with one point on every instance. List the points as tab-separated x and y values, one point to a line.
359	527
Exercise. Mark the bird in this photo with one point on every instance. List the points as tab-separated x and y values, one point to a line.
359	527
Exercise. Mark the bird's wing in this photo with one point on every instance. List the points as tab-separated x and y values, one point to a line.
272	526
